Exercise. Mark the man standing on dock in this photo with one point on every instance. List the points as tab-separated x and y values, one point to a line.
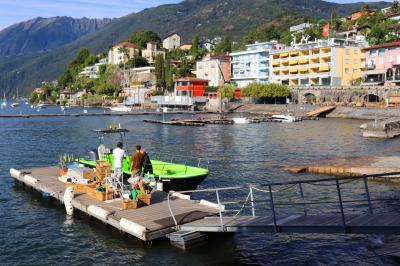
119	155
137	162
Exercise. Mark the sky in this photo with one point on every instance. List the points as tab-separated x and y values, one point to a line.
14	11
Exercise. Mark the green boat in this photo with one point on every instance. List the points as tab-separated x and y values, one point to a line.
177	173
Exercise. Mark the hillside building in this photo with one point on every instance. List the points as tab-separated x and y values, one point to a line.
151	52
382	64
329	62
215	68
93	70
116	56
172	41
253	64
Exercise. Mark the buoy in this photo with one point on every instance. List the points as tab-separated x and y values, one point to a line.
68	197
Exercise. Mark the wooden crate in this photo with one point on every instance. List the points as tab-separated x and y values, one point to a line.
88	174
129	204
144	199
80	188
94	193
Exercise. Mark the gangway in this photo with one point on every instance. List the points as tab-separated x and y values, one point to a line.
301	215
320	111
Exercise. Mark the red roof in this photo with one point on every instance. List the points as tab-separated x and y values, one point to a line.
192	79
127	44
385	45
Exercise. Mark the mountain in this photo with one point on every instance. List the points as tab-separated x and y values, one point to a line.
206	18
42	34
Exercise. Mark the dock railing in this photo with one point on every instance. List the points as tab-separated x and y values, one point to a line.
271	202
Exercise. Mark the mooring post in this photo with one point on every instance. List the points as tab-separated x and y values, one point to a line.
252	201
341	204
302	197
220	211
272	207
368	196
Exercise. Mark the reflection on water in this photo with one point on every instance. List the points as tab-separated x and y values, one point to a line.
34	230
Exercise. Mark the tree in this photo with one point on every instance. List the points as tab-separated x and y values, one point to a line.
137	61
143	37
395	6
159	71
65	79
195	47
169	82
226	91
225	45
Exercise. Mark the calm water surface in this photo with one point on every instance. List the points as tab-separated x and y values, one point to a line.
35	230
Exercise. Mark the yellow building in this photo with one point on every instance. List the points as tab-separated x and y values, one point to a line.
322	63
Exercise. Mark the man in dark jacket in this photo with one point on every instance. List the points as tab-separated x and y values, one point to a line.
147	166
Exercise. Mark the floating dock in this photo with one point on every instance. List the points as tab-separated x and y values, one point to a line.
146	223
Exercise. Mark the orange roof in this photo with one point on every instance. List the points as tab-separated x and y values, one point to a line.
192	79
390	44
127	44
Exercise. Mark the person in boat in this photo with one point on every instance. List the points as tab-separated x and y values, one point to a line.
119	155
137	162
147	166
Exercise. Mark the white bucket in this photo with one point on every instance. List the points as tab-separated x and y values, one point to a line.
160	186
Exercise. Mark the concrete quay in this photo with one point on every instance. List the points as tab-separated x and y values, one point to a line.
384	129
353	166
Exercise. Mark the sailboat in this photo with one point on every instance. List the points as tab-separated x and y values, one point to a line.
15	103
4	103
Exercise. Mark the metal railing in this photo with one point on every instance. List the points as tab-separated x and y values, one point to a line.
180	159
251	203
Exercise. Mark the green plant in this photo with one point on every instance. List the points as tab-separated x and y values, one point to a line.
64	160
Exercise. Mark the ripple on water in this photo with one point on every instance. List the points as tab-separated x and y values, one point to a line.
34	230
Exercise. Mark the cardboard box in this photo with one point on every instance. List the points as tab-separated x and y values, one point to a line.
88	174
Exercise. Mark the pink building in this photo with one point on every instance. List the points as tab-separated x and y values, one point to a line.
382	64
215	68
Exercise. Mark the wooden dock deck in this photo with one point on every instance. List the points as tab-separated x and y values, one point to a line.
146	223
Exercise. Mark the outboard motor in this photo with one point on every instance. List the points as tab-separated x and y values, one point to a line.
91	155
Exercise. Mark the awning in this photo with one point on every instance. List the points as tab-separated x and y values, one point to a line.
284	55
374	72
293	70
275	63
303	61
324	68
293	62
303	70
294	53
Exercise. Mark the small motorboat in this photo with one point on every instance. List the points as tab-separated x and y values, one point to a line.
284	118
121	108
174	175
241	120
15	104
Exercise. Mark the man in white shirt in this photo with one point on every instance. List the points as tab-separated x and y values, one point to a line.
119	155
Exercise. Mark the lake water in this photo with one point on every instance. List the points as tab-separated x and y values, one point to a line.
36	230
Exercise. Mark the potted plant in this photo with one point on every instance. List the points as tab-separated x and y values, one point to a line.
63	162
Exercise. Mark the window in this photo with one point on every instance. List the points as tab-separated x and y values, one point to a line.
381	52
347	51
372	52
347	61
355	51
355	61
346	70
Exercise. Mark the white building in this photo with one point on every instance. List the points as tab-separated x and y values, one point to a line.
116	56
142	74
93	70
151	52
253	64
172	41
300	28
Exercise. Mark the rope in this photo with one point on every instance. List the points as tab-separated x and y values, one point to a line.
245	202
